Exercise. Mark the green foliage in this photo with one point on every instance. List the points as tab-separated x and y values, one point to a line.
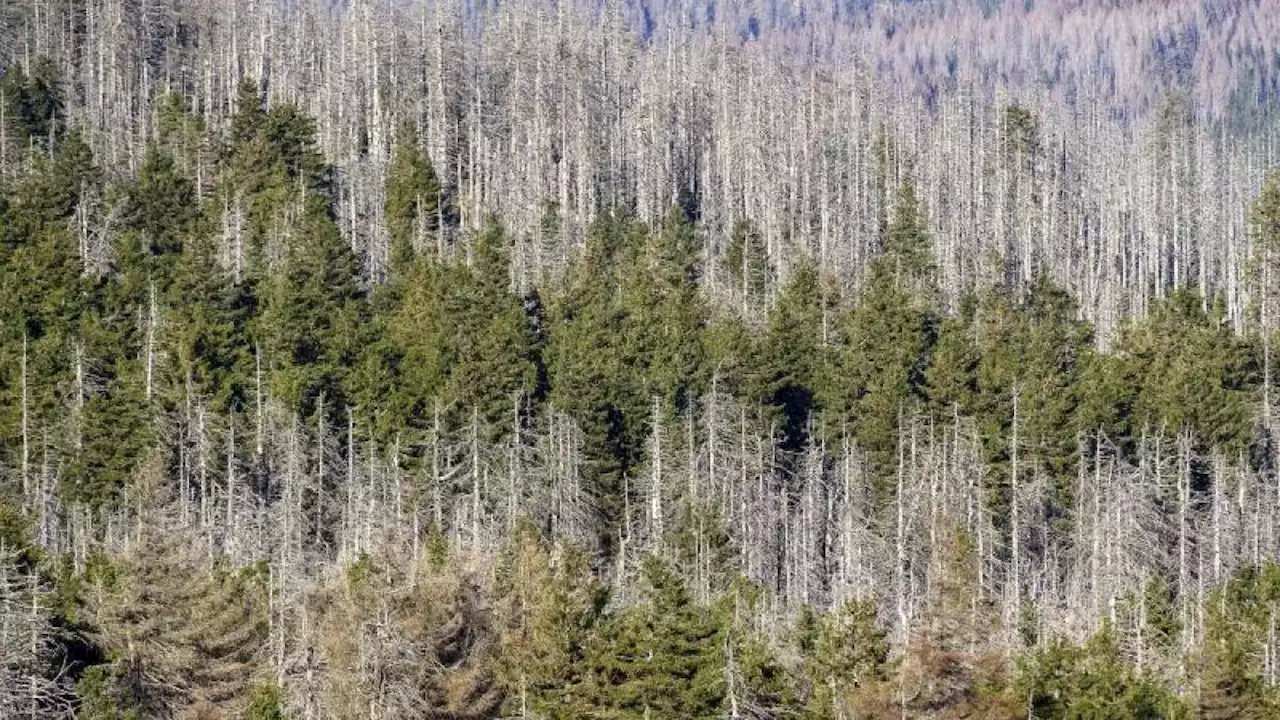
879	371
747	264
593	364
1264	212
413	207
548	605
33	103
495	363
15	528
452	337
161	204
1160	612
101	697
1189	370
666	315
208	325
1061	680
244	275
1021	131
179	131
846	650
756	677
1030	350
309	319
951	379
791	357
116	432
274	171
908	256
1239	622
265	702
661	658
700	536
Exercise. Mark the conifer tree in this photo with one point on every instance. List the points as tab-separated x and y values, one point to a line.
880	368
662	658
208	326
791	356
849	651
1239	618
757	681
951	380
666	314
416	354
592	364
413	207
1061	680
34	106
492	339
115	427
273	167
1189	370
307	326
746	262
161	205
182	640
181	135
45	293
1264	214
1030	352
548	605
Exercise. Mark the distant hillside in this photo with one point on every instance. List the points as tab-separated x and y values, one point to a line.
1126	53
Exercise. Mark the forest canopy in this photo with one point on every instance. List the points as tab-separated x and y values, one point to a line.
315	411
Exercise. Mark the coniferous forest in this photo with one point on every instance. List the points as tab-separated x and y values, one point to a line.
639	360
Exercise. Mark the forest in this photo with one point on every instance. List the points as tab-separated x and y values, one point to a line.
456	361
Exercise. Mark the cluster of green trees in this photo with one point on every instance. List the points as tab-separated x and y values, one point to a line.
249	290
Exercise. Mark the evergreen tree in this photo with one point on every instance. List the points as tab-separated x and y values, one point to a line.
1030	352
44	295
662	658
417	354
1064	681
881	364
666	315
848	651
951	380
791	356
265	702
1238	623
115	425
413	208
1190	371
308	323
33	101
208	325
747	264
161	205
181	134
757	681
495	356
595	373
180	640
273	170
548	606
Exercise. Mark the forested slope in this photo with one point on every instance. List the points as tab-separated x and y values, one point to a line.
443	409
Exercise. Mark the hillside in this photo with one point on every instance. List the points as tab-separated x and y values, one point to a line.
401	360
